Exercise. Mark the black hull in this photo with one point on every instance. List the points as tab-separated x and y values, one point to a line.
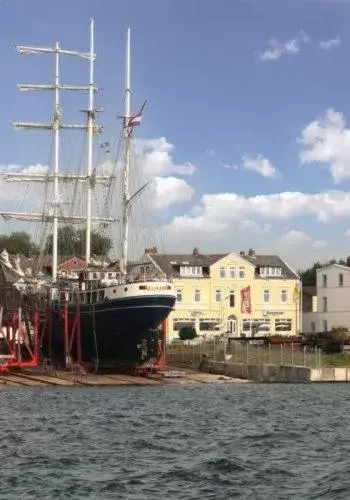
115	331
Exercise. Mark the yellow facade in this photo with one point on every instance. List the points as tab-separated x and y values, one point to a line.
212	304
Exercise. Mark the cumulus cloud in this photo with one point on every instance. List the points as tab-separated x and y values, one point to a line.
276	49
296	239
170	190
327	140
222	211
155	158
330	44
258	164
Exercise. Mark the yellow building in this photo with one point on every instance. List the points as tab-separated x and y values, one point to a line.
230	293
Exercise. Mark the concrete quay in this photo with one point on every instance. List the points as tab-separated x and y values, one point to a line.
269	373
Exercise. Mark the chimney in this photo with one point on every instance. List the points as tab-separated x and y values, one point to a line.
151	250
242	253
251	252
195	251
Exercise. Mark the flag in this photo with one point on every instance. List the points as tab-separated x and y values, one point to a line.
133	121
246	301
296	293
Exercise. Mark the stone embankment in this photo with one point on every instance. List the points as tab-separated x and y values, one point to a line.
275	373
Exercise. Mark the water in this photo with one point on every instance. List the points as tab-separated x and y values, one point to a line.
218	441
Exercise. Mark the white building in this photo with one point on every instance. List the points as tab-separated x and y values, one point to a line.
333	300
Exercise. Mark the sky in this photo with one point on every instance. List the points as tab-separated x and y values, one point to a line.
246	135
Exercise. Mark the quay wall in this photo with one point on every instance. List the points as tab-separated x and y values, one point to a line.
275	373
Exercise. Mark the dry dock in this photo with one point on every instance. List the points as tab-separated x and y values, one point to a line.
32	378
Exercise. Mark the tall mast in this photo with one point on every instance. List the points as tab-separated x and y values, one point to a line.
56	131
91	129
127	137
55	126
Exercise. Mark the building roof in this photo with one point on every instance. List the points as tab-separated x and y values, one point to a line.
271	261
170	263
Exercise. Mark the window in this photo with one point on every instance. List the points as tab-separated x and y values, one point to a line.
179	295
283	325
270	271
313	327
324	280
222	272
241	272
232	298
232	272
209	324
191	271
197	295
341	279
284	296
324	304
178	323
325	325
218	295
266	296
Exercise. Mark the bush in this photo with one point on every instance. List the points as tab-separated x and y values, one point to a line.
187	332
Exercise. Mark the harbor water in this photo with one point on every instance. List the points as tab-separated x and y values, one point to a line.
200	441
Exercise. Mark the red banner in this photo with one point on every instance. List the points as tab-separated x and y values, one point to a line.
246	301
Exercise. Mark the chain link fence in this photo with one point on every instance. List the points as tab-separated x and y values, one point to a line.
245	352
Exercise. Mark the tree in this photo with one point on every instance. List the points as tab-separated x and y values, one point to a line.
187	332
72	242
18	242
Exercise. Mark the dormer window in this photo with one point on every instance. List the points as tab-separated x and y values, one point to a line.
270	271
191	271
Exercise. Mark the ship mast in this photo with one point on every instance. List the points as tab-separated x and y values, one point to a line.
55	127
127	138
130	121
91	130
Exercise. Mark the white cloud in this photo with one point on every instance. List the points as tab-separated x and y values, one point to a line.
253	226
154	156
347	232
296	239
258	164
327	140
276	49
224	211
171	190
330	44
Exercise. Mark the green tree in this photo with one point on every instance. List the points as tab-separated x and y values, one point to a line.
187	332
72	242
18	242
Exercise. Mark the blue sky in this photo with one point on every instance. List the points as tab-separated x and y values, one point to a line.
228	99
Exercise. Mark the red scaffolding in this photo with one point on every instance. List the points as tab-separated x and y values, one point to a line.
19	339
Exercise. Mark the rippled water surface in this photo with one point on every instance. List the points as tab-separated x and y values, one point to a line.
218	441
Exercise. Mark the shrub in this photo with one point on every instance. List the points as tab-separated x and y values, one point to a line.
187	332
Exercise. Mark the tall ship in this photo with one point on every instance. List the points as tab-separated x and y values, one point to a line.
118	314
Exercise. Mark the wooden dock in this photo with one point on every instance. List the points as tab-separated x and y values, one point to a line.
33	378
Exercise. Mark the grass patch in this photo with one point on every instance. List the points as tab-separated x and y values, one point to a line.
336	359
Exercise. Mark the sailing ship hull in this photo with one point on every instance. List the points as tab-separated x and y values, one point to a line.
122	330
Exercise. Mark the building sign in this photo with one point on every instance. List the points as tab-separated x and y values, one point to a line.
197	313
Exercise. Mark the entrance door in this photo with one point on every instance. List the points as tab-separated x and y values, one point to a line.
232	326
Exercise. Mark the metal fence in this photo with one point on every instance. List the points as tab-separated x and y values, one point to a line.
247	353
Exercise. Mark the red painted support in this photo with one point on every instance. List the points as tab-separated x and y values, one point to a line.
72	338
161	362
15	336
